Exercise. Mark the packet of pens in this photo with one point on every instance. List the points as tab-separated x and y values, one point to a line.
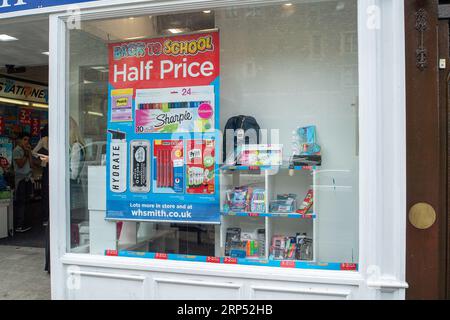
168	161
245	244
245	199
200	166
299	247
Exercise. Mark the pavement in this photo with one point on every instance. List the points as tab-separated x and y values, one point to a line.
22	275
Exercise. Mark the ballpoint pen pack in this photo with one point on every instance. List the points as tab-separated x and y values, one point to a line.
168	163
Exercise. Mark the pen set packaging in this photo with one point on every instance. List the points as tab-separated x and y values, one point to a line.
178	109
168	163
307	203
200	166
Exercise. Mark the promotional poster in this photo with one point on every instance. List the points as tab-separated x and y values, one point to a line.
162	157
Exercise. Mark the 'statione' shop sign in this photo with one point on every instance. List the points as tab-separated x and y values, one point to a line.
14	89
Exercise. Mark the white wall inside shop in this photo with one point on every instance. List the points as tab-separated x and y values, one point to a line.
298	71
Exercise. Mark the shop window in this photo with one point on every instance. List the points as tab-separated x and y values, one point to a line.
225	135
349	42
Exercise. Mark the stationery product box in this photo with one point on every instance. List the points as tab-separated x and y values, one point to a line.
168	164
260	155
200	175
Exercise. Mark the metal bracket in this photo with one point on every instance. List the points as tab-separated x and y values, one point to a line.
387	285
421	27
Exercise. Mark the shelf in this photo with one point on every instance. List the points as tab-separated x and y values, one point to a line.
267	168
236	261
292	215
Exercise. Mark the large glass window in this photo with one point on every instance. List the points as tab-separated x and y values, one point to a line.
227	135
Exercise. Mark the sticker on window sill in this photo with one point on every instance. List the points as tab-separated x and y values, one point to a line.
287	264
348	266
112	253
228	260
161	256
213	259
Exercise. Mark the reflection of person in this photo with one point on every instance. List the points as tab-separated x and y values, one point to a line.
76	164
23	184
42	151
77	144
4	164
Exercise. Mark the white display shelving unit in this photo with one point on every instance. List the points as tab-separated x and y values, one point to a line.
274	180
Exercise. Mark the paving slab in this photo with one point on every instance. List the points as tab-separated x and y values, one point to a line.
22	275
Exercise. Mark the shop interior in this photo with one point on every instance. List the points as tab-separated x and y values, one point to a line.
23	111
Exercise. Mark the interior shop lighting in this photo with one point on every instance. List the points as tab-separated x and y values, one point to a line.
24	103
175	30
46	53
287	4
39	105
135	38
97	114
5	37
15	101
207	11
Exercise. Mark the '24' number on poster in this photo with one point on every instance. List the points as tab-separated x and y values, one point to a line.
186	91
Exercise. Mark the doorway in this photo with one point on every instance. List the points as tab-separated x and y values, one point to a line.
24	216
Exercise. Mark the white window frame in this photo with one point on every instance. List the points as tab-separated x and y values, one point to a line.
382	136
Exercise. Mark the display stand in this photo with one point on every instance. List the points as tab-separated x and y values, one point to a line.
273	179
6	217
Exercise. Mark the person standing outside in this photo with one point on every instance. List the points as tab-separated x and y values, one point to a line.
22	160
41	151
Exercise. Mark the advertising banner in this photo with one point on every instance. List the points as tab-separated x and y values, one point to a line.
6	150
163	129
25	116
35	127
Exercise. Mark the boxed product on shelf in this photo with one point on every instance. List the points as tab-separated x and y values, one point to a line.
304	141
238	199
251	244
305	150
306	160
261	155
307	203
299	247
245	244
261	236
246	199
278	247
285	203
304	247
233	239
258	201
